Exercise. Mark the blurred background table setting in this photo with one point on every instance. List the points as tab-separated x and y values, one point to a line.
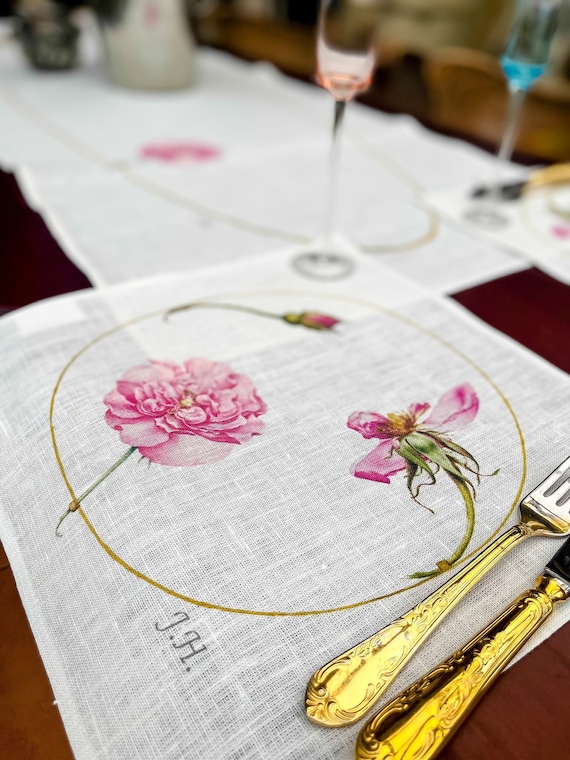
223	331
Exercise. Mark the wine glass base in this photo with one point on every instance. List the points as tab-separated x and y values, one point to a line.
487	217
323	266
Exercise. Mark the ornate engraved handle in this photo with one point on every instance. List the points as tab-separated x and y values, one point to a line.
420	721
345	689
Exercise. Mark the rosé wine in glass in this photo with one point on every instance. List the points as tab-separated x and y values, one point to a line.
345	64
343	74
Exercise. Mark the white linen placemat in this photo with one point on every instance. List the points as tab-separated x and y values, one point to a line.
537	228
232	107
232	167
259	505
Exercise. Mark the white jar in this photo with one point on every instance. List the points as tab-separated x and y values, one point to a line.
148	44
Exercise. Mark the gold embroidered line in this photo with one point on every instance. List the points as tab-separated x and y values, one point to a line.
59	133
125	169
434	221
222	608
62	374
271	613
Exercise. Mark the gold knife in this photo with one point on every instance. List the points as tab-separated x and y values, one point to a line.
419	722
343	690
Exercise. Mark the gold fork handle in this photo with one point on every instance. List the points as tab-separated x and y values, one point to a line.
418	723
345	689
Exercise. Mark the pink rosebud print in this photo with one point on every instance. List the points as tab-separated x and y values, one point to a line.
312	319
183	415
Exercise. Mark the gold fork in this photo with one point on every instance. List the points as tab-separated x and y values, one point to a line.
346	688
420	721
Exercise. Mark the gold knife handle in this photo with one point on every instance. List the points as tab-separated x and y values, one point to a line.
419	722
550	175
346	688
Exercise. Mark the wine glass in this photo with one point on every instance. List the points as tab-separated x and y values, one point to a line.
525	58
346	31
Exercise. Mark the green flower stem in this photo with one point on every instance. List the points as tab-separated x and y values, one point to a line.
75	504
227	307
309	319
470	512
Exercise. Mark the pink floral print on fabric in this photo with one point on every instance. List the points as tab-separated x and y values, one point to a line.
561	231
454	410
178	152
418	441
183	415
189	414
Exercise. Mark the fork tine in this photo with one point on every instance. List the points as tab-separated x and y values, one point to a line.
557	483
563	499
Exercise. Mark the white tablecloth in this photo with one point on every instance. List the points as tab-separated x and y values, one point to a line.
80	147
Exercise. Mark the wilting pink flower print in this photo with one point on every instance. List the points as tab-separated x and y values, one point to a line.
418	442
454	410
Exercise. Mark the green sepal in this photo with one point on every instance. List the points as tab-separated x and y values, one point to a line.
429	448
411	455
459	450
411	472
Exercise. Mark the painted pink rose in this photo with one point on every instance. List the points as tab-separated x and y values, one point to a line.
173	152
561	231
182	415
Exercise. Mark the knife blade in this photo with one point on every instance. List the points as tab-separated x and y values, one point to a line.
420	721
511	191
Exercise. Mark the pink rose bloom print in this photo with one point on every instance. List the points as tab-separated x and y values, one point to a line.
194	413
561	231
177	152
183	415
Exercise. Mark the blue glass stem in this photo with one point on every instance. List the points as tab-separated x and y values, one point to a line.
330	201
516	100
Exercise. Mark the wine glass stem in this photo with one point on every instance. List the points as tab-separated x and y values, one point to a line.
516	100
339	109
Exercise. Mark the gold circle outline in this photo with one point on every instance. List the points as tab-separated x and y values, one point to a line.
272	613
